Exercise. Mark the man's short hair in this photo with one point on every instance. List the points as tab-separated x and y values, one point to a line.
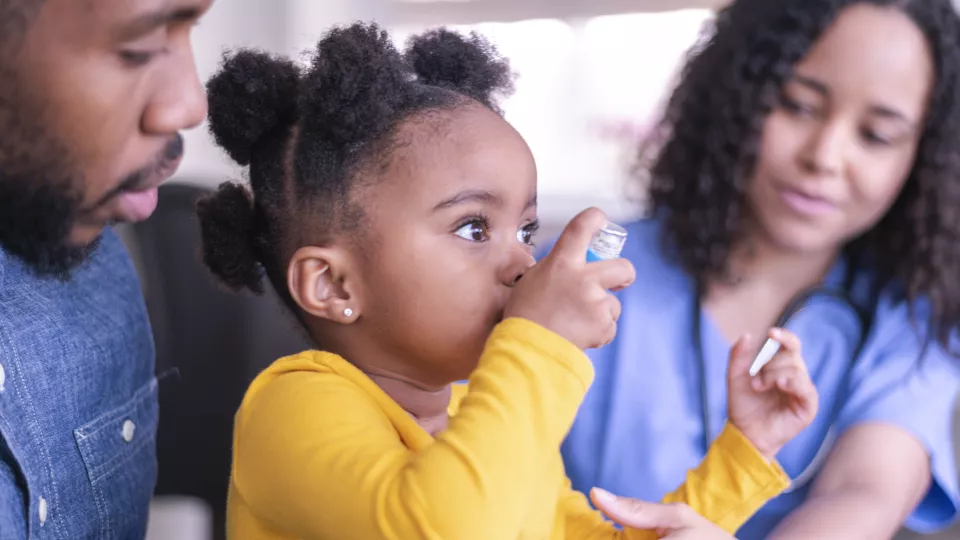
15	18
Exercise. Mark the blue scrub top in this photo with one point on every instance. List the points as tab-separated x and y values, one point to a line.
640	427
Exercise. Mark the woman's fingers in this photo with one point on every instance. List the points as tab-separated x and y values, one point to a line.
677	521
644	515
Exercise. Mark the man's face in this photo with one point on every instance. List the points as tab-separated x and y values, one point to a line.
93	95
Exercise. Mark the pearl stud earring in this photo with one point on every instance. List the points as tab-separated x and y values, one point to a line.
348	312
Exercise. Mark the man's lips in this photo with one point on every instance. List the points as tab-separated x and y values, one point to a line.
140	203
134	206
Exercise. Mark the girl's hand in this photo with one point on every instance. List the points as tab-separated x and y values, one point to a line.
569	296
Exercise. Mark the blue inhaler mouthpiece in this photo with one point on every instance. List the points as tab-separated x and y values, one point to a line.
607	243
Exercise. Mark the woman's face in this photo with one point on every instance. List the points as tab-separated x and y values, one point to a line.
837	149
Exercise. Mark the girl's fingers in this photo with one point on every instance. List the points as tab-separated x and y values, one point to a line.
771	374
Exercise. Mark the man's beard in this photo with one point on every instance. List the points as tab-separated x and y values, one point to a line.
37	213
40	189
42	186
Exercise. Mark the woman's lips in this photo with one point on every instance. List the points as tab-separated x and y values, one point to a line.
806	204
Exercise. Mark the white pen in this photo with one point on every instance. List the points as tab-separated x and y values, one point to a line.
766	354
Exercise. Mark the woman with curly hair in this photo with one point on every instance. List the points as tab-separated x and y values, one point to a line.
809	144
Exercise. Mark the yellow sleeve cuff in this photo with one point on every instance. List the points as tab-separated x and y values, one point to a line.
733	481
763	472
547	343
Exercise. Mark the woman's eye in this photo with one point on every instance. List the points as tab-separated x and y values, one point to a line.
876	139
475	231
795	107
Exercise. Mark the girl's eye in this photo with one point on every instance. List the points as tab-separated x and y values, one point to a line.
474	231
526	234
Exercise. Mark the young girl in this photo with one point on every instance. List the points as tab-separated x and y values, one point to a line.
392	211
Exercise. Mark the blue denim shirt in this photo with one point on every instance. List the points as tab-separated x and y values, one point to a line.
78	401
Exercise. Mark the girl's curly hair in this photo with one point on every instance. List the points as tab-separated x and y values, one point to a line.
308	133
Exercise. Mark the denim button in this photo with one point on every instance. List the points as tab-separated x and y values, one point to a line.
3	377
42	510
128	428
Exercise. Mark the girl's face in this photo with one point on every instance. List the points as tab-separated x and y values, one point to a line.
837	150
450	233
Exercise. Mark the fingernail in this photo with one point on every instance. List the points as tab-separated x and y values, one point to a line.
782	382
603	495
776	333
757	384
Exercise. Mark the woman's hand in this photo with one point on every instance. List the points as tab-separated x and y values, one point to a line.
776	405
673	521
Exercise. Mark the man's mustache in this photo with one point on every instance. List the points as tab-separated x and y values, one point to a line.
143	178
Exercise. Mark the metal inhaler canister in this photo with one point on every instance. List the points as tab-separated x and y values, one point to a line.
607	243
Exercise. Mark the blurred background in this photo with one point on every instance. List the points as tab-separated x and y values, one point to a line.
591	74
591	77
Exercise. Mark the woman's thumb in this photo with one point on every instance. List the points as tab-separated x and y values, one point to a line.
639	514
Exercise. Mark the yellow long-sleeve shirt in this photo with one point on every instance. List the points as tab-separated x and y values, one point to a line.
321	452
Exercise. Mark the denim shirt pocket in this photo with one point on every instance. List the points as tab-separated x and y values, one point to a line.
119	451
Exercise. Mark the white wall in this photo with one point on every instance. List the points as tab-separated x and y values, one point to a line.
568	184
278	26
308	19
229	24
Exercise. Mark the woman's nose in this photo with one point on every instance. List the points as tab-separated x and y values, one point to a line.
825	149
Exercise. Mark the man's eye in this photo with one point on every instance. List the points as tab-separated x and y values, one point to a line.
474	231
137	58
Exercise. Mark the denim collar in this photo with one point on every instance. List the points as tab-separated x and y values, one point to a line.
5	261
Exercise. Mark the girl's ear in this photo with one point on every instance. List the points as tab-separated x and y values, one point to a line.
323	282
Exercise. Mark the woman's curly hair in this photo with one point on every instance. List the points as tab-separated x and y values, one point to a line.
309	133
704	150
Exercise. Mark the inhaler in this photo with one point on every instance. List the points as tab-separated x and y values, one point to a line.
607	243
